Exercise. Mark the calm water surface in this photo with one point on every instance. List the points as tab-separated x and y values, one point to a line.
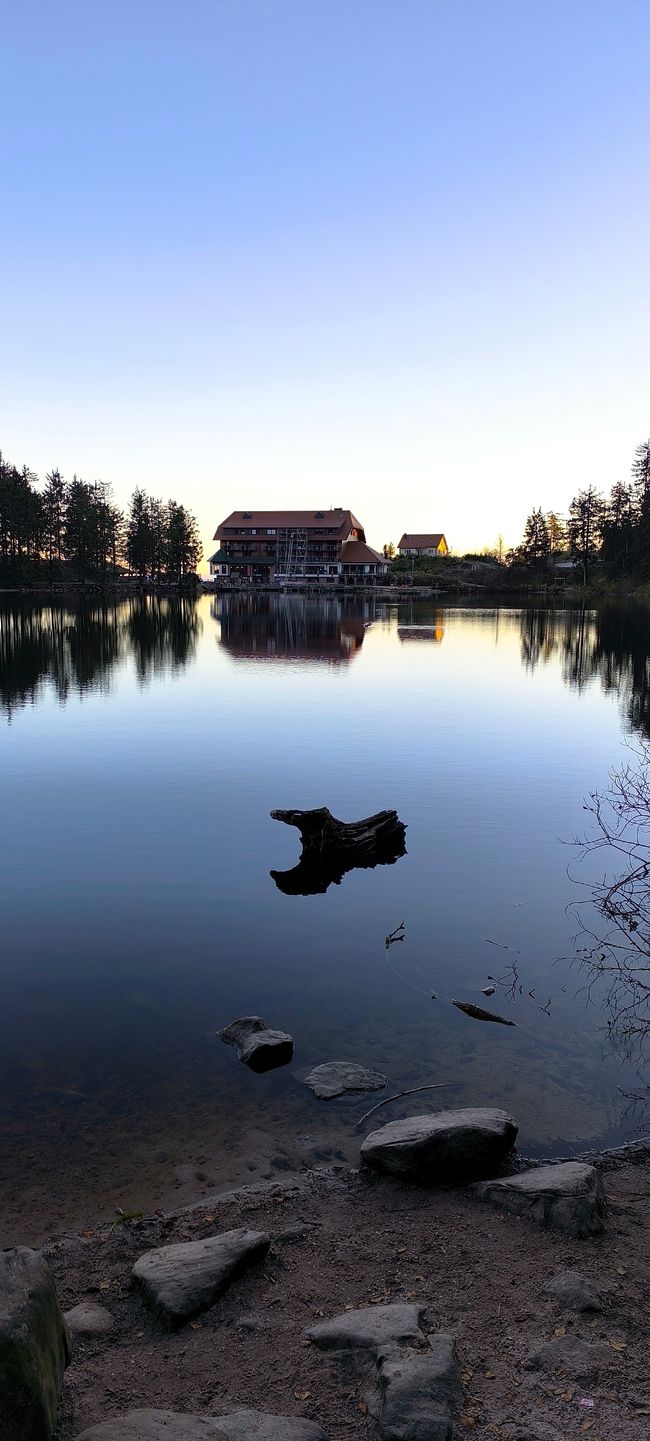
142	747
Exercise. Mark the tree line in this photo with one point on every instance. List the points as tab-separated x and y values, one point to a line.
74	530
613	532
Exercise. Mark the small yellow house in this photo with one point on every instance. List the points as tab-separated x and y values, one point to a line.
423	545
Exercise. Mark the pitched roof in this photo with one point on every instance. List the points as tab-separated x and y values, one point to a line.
421	542
281	519
356	552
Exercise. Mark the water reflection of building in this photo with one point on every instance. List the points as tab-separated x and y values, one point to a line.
418	624
267	627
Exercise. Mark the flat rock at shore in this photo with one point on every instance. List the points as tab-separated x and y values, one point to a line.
368	1328
155	1426
338	1078
260	1426
258	1045
571	1354
34	1347
175	1426
418	1392
567	1197
442	1145
182	1280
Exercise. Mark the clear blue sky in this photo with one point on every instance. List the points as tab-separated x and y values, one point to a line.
387	255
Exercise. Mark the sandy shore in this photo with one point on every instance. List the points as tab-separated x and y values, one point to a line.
347	1239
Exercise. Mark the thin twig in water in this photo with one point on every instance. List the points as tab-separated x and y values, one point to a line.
439	1086
394	936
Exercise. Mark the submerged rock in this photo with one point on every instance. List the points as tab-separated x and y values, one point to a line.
182	1280
257	1045
34	1347
441	1146
336	1078
568	1197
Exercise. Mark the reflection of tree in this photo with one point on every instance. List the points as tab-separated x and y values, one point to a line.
73	649
162	633
611	644
614	918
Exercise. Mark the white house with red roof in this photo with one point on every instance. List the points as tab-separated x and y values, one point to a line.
423	544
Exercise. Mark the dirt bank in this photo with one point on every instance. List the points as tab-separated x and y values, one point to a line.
342	1239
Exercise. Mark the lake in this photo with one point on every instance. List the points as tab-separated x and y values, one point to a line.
143	746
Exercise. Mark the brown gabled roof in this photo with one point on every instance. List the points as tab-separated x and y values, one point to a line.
421	542
356	552
342	520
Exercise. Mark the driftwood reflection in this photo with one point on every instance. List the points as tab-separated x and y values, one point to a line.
331	848
73	647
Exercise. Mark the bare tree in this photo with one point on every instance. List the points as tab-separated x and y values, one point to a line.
614	917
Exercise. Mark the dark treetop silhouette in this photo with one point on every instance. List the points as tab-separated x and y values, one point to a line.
330	848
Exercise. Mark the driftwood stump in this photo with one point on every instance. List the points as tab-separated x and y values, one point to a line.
330	848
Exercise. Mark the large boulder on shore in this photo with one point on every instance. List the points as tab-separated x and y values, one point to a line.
441	1146
258	1045
567	1197
182	1280
34	1347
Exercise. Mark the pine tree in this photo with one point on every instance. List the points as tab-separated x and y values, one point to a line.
584	528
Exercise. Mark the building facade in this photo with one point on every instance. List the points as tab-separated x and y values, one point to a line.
280	546
417	545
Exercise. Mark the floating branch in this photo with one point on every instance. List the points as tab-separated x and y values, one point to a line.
393	936
331	848
438	1086
478	1014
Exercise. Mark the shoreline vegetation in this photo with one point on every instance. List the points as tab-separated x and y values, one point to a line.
72	535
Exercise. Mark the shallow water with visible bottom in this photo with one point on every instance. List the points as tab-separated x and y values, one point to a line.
143	746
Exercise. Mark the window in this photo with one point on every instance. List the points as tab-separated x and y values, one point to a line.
271	532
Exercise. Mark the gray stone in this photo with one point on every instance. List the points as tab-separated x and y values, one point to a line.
256	1044
575	1292
368	1329
441	1146
579	1359
245	1425
34	1347
259	1426
418	1392
156	1426
336	1078
182	1280
89	1319
568	1197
